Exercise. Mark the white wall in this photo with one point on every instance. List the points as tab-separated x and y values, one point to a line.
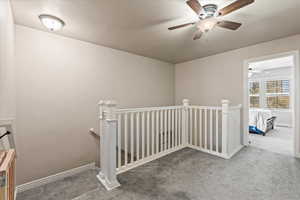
208	80
7	45
7	82
59	83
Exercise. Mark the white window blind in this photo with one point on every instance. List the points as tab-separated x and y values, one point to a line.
254	91
277	94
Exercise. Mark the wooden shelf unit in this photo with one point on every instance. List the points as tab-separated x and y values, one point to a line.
7	174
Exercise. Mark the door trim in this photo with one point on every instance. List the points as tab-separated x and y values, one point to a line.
296	98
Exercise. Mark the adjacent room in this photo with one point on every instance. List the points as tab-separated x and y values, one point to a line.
150	100
272	102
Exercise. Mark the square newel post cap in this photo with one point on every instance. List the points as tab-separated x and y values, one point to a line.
111	103
186	102
111	107
101	103
225	101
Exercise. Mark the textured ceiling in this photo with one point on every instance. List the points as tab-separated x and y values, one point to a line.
140	26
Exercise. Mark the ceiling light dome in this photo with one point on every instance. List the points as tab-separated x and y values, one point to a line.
207	24
51	22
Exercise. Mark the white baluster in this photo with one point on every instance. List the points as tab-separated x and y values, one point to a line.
152	132
131	137
119	140
191	131
126	138
205	129
200	128
157	131
148	133
143	135
161	129
166	129
217	131
182	127
211	130
195	127
138	136
176	127
173	128
169	129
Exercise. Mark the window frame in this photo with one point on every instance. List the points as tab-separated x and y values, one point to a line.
276	94
263	95
255	95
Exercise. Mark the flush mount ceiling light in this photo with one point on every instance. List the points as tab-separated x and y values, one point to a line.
51	22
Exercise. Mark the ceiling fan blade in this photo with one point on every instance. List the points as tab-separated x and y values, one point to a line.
181	26
198	35
235	6
195	5
229	25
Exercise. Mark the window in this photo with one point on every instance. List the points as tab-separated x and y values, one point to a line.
254	91
277	94
272	94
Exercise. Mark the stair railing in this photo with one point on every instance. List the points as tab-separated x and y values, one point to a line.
132	137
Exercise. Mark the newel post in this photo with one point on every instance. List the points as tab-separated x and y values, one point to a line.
186	104
225	126
108	136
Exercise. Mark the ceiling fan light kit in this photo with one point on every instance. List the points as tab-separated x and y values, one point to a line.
209	14
207	24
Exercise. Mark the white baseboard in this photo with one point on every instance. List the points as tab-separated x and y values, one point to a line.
52	178
284	125
225	156
207	151
235	151
109	185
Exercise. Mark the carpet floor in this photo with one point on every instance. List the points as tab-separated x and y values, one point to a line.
253	174
280	140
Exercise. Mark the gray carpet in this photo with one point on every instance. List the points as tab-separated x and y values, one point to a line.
65	189
253	174
279	140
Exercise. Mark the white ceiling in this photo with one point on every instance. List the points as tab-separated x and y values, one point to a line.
141	26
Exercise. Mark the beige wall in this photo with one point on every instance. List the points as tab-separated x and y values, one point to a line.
59	83
208	80
7	44
60	80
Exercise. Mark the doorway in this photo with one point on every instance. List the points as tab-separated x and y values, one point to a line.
271	111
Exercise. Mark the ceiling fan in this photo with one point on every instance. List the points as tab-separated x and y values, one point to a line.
208	15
